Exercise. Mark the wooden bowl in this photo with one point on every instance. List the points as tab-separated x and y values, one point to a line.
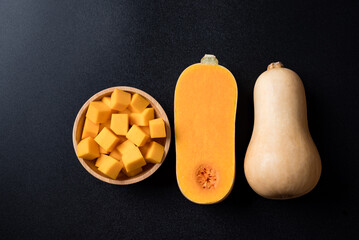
122	179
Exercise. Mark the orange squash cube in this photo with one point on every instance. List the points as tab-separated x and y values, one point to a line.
106	124
107	101
154	152
88	149
90	129
119	123
144	149
143	118
132	173
146	130
137	136
133	159
157	128
98	112
116	154
125	146
100	160
107	139
138	103
120	100
110	167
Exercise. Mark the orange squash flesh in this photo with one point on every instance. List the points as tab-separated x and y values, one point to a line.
205	110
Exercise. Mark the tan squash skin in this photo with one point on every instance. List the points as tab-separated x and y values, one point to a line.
282	161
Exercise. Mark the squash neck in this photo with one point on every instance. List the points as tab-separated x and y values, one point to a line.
275	65
209	59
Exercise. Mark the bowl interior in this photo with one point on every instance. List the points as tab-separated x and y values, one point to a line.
149	168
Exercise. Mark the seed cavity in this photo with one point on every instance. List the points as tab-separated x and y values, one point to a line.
206	177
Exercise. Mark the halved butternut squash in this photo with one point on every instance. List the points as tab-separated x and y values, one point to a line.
205	111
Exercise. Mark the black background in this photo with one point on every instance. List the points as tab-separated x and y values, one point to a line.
54	55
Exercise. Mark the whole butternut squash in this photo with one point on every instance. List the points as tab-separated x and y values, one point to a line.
205	111
282	160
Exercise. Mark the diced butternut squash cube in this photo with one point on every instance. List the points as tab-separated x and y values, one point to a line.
144	149
107	139
116	154
125	146
110	167
90	129
138	103
100	160
132	173
137	136
98	112
142	119
88	149
135	118
133	159
103	151
147	131
107	101
120	100
154	152
157	128
106	124
148	114
119	123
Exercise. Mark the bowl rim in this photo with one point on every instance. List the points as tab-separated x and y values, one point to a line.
153	102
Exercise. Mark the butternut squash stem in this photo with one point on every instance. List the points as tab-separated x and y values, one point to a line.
275	65
209	59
